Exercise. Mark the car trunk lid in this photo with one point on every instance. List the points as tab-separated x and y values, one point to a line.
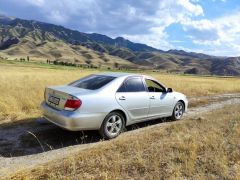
57	96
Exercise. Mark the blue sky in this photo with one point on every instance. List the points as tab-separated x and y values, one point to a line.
207	26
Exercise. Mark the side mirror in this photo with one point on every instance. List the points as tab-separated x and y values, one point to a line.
169	90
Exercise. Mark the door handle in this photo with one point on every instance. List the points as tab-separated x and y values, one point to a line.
122	98
152	97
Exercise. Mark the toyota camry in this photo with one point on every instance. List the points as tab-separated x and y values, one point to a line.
109	102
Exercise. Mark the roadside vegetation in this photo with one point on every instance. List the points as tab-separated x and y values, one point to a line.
205	147
22	86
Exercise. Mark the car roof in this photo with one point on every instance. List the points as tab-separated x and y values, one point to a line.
118	74
122	74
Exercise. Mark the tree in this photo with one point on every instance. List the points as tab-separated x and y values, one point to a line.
116	65
28	58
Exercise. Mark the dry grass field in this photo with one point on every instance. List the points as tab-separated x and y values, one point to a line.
195	148
22	88
195	86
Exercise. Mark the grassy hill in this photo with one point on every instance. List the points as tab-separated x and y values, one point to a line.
47	47
62	52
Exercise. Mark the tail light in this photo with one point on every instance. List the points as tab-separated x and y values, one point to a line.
72	104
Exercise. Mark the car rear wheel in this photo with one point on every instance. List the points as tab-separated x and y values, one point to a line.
178	111
112	125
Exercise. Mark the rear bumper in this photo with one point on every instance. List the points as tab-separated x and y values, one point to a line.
72	121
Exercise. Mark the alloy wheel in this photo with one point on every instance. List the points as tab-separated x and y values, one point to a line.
178	112
114	125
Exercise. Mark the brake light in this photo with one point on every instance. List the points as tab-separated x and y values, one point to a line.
72	104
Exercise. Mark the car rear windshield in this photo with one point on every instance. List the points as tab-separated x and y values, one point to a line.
92	82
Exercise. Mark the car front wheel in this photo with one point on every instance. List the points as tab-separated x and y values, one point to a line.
112	125
178	111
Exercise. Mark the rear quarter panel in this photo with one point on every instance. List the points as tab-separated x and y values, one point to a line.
101	101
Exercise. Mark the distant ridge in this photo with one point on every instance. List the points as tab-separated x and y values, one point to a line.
21	38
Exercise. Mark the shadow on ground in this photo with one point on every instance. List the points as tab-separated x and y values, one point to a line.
32	136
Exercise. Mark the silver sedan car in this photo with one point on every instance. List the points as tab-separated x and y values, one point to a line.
109	102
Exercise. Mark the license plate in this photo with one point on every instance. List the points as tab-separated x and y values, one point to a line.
53	100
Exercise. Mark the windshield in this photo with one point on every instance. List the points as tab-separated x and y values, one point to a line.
92	82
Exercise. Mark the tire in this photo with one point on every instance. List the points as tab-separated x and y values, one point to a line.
112	126
178	111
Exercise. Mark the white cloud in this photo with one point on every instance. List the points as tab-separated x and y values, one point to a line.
60	11
57	16
193	9
157	39
36	2
222	34
167	13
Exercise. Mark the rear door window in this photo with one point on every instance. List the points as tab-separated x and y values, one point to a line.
132	85
92	82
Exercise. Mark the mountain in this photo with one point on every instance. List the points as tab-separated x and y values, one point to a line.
120	42
73	37
189	54
5	19
40	41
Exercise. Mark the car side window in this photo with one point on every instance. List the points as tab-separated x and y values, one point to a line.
154	86
132	85
122	88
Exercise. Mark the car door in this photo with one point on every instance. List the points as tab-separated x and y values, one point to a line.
161	102
133	97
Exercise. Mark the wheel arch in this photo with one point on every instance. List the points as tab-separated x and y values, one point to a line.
121	112
182	101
